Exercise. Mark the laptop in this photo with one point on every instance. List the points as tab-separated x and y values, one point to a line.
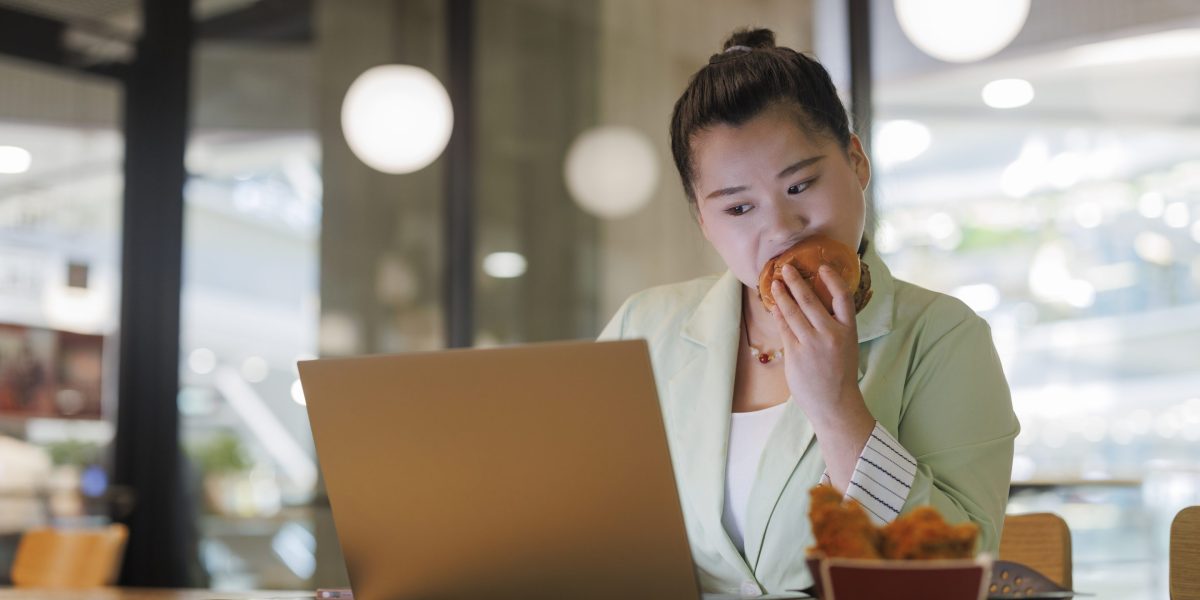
534	471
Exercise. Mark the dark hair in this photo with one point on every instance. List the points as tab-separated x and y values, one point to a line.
750	74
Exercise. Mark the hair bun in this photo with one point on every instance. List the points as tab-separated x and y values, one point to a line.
751	37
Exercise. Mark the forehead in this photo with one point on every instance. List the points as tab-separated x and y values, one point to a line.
764	143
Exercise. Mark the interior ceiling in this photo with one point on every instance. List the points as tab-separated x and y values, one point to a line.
1151	106
1157	98
75	10
120	16
1119	70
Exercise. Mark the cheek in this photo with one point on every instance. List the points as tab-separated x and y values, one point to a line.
851	213
746	256
736	249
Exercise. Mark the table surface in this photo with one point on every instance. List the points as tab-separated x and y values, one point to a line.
114	593
149	594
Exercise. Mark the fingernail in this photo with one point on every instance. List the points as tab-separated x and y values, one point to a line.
788	269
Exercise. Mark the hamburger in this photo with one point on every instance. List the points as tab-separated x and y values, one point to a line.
807	256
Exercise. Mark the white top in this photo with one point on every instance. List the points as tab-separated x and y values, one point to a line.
748	433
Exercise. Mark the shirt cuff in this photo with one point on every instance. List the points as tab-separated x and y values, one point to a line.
882	476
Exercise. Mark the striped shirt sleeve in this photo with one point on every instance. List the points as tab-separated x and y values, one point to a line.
882	477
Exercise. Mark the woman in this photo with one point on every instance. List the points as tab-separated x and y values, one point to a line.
900	405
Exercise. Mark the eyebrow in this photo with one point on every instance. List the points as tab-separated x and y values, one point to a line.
791	169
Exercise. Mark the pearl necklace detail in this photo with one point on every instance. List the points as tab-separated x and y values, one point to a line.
763	357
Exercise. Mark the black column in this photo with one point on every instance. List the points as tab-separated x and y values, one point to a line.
147	458
861	107
459	254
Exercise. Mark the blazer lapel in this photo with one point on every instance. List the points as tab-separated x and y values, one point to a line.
702	399
786	447
875	320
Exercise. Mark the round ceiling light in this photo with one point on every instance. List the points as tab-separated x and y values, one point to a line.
611	171
397	118
957	31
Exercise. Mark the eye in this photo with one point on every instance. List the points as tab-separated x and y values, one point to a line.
796	188
738	210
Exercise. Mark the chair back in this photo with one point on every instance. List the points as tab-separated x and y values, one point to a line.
1185	555
69	558
1041	541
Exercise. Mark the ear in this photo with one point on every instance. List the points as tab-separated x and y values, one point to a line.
859	162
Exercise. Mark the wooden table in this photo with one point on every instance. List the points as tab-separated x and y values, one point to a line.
148	594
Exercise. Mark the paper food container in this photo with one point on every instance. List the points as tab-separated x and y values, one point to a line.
866	579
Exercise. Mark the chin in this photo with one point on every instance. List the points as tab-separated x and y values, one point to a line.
748	279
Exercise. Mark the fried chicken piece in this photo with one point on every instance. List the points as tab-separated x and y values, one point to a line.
922	534
841	529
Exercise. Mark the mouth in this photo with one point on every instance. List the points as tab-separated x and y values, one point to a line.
785	247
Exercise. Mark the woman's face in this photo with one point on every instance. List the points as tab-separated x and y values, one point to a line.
765	185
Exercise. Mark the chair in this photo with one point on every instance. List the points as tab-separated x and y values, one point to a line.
1185	555
1041	541
69	558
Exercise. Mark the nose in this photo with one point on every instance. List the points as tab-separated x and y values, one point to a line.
785	224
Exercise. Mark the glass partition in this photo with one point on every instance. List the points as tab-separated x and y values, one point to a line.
60	276
1054	187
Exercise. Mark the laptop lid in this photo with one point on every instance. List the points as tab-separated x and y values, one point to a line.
536	471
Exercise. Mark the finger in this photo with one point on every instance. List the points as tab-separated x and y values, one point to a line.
789	310
843	299
806	298
785	331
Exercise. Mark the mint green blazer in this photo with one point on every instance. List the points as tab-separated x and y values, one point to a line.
930	375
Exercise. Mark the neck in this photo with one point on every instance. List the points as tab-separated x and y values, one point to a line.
758	322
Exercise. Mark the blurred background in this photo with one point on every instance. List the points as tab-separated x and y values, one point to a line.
1038	159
